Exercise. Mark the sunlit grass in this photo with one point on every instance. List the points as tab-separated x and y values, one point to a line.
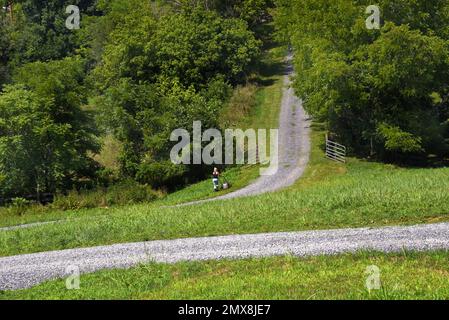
330	195
240	177
368	194
402	276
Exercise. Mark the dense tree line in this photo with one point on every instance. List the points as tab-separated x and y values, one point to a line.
136	70
382	92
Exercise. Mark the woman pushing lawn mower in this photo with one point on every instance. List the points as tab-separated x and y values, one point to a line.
216	181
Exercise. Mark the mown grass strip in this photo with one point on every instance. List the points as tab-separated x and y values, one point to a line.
402	276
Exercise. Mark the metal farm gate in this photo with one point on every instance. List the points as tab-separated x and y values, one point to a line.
335	151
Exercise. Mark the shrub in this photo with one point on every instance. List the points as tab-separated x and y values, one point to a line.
240	105
160	174
75	200
124	193
19	206
130	192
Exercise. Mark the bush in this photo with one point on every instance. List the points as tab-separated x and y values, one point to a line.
130	192
75	200
124	193
239	106
161	174
19	206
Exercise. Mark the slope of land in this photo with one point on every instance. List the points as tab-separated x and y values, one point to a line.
294	147
402	276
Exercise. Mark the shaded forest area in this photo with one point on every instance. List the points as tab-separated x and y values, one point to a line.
135	70
94	107
382	92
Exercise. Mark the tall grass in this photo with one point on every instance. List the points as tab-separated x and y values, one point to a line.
124	193
239	107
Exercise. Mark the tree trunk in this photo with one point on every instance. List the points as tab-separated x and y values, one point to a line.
11	10
38	193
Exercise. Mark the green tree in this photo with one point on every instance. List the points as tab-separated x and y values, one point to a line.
191	47
162	71
5	43
49	132
20	116
37	154
251	11
398	74
380	91
195	47
40	32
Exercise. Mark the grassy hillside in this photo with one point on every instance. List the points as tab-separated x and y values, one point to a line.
358	194
154	68
402	276
262	94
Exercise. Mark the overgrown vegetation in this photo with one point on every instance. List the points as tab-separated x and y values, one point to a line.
135	71
123	193
383	93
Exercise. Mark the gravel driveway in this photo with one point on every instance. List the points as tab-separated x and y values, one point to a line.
28	270
294	147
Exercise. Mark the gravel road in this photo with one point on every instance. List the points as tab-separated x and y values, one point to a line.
294	147
24	226
25	271
28	270
294	151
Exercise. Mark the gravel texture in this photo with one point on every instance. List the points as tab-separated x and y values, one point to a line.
294	147
25	271
25	226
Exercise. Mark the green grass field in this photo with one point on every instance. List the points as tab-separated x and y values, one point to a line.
129	68
402	276
358	194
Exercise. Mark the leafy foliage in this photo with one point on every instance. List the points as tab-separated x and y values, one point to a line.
251	11
144	68
44	133
374	88
162	72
